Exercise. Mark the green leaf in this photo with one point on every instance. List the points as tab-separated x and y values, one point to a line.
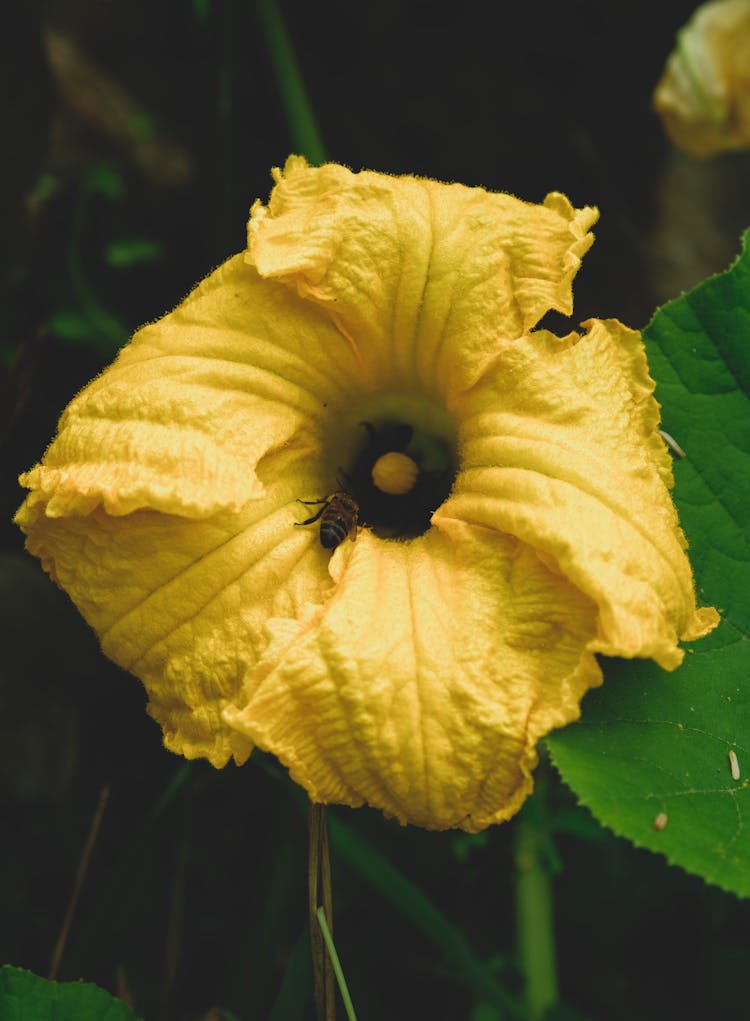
71	324
46	186
201	11
292	1000
131	251
303	127
106	179
142	126
27	997
650	757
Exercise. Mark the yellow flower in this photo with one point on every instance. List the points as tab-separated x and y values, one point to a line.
417	666
703	97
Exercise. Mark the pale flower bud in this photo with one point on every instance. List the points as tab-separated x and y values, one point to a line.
703	97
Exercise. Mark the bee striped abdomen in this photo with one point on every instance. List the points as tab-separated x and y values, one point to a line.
338	518
333	533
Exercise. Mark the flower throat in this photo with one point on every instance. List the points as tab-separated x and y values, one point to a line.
399	476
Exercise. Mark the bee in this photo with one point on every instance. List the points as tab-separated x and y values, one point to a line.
338	518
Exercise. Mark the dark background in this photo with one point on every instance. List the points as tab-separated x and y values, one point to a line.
155	125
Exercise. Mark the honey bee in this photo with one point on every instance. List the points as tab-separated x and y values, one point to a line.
338	518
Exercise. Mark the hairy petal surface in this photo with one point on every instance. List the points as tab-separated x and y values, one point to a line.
184	604
427	679
181	420
417	676
559	447
165	506
421	277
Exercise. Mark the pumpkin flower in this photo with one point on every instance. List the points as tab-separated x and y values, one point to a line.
494	499
703	97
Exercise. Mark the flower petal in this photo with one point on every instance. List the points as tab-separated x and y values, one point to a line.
426	681
185	604
559	447
166	505
182	419
416	676
421	277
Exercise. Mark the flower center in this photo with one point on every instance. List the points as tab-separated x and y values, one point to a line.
395	473
400	463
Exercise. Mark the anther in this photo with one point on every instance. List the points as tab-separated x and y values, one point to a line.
395	473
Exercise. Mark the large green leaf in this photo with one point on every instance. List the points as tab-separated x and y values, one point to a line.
650	757
27	997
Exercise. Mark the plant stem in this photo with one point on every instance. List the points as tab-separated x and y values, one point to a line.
114	332
319	897
83	865
299	113
534	909
227	79
338	971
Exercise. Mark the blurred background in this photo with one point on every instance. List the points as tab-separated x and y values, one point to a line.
135	137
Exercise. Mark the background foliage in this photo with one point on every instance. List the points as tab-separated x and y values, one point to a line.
139	135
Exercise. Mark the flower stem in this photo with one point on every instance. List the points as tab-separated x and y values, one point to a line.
227	118
83	865
319	898
343	988
534	910
114	333
299	114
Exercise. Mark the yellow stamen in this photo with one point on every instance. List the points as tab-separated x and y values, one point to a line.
395	473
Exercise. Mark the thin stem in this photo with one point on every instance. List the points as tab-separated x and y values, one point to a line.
112	329
413	906
226	116
83	865
303	126
319	896
534	910
334	957
175	928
